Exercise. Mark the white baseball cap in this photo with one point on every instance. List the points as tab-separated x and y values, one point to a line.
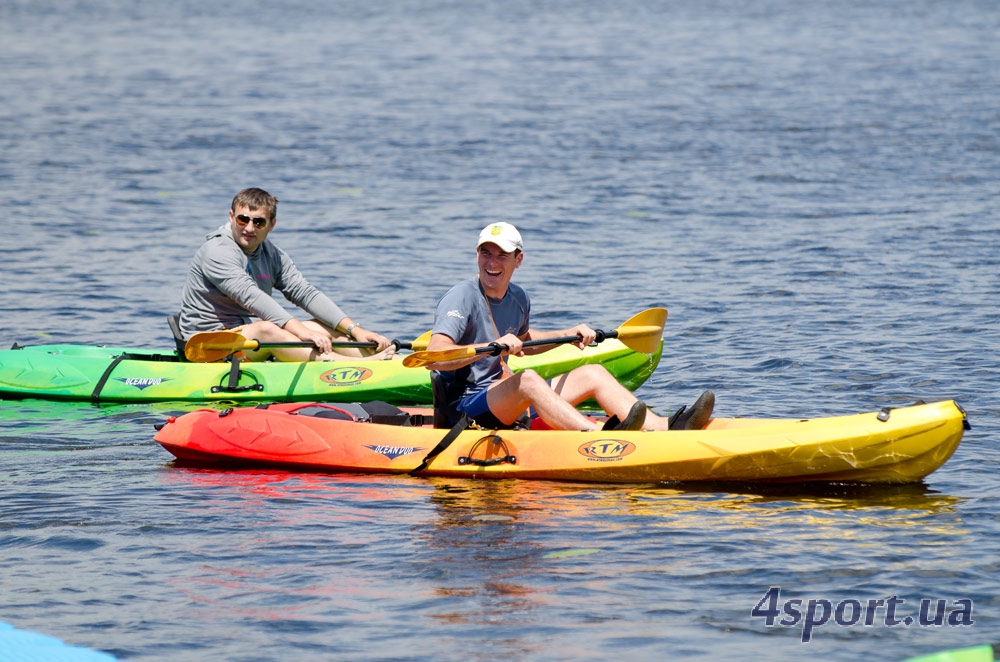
503	235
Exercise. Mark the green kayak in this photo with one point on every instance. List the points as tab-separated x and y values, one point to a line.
109	374
984	653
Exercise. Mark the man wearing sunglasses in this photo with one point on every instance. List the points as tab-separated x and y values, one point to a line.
231	279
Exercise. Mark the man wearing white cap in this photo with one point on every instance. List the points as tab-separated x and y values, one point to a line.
490	308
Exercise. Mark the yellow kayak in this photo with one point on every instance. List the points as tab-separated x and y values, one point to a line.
891	446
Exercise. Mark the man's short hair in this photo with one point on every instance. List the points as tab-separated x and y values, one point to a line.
256	199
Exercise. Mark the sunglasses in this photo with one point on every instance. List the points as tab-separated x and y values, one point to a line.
258	221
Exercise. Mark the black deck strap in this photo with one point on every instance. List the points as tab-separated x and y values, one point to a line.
234	373
420	420
446	441
233	386
156	358
96	395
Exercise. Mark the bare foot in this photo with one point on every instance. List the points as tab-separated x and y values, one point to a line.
385	355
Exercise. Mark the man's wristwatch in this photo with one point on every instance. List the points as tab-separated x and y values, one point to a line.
350	328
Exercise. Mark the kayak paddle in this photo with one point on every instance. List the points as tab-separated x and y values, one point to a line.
641	332
214	345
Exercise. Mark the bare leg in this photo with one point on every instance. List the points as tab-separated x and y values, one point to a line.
266	332
510	397
594	381
348	353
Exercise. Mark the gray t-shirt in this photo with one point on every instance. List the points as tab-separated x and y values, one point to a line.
227	287
464	315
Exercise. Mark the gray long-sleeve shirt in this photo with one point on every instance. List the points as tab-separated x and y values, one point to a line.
226	287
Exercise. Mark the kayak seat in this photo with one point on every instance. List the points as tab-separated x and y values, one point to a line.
174	322
444	415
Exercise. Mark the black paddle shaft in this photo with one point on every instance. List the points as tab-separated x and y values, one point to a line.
496	349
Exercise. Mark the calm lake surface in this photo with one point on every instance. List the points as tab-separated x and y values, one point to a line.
811	188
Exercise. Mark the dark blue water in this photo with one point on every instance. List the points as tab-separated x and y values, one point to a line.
811	188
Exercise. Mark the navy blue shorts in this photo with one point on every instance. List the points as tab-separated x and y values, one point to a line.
477	408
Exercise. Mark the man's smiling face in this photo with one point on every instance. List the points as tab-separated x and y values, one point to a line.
496	268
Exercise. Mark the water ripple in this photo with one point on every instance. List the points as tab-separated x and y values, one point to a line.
809	189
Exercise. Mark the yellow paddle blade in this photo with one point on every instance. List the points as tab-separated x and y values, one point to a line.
214	345
421	359
643	332
420	342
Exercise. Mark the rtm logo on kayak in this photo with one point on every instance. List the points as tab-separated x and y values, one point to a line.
345	376
606	450
142	382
